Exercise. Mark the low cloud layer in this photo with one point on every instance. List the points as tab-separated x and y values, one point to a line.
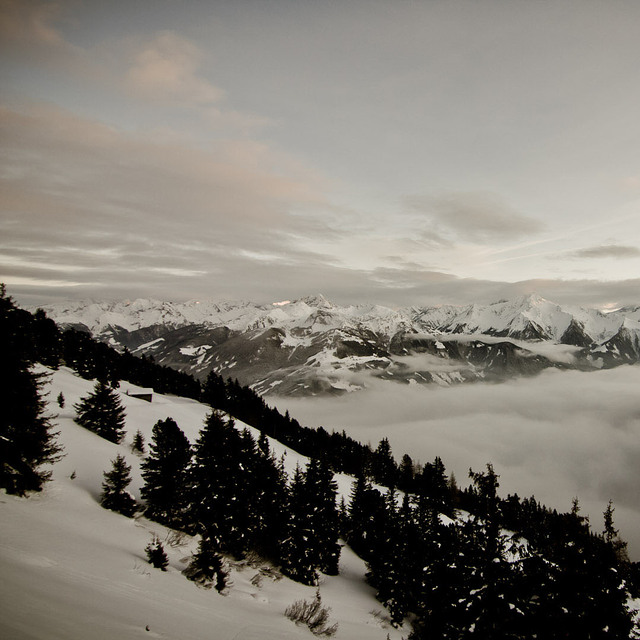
556	436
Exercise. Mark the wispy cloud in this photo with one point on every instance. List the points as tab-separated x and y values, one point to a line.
70	182
606	251
474	216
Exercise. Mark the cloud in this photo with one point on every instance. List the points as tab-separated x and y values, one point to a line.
475	216
134	213
30	34
75	191
166	70
29	23
606	251
558	435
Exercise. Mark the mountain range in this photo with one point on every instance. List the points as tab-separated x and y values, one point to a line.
311	346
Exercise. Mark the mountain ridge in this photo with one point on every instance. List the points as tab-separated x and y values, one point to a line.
312	346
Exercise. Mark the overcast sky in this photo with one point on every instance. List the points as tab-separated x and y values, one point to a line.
394	152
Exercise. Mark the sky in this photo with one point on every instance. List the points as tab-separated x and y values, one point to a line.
401	153
559	435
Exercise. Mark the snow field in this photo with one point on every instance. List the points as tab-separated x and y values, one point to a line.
72	570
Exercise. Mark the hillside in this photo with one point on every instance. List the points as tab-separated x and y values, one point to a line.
73	570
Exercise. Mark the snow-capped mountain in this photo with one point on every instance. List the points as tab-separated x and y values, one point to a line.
311	346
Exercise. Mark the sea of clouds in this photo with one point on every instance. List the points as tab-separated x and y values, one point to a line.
557	435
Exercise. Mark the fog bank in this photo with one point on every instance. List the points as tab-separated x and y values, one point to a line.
558	435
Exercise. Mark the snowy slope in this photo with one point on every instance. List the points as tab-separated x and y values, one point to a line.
72	570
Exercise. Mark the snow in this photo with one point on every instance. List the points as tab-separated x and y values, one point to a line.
316	315
148	345
72	570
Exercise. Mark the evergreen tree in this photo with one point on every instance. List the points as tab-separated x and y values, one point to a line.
60	400
366	518
137	446
439	574
610	535
214	392
217	481
496	602
165	475
433	485
26	434
114	488
269	503
586	597
300	557
48	339
156	555
406	474
387	564
383	467
207	568
102	413
321	491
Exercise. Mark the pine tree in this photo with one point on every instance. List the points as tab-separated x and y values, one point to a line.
156	555
60	400
366	517
439	573
27	439
321	491
217	480
299	556
207	568
383	467
102	413
610	535
387	564
433	485
165	475
48	339
586	596
406	474
137	446
114	489
270	502
495	599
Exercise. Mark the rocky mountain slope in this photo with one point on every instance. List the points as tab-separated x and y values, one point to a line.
311	346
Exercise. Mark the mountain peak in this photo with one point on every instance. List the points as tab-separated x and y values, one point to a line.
316	301
531	300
